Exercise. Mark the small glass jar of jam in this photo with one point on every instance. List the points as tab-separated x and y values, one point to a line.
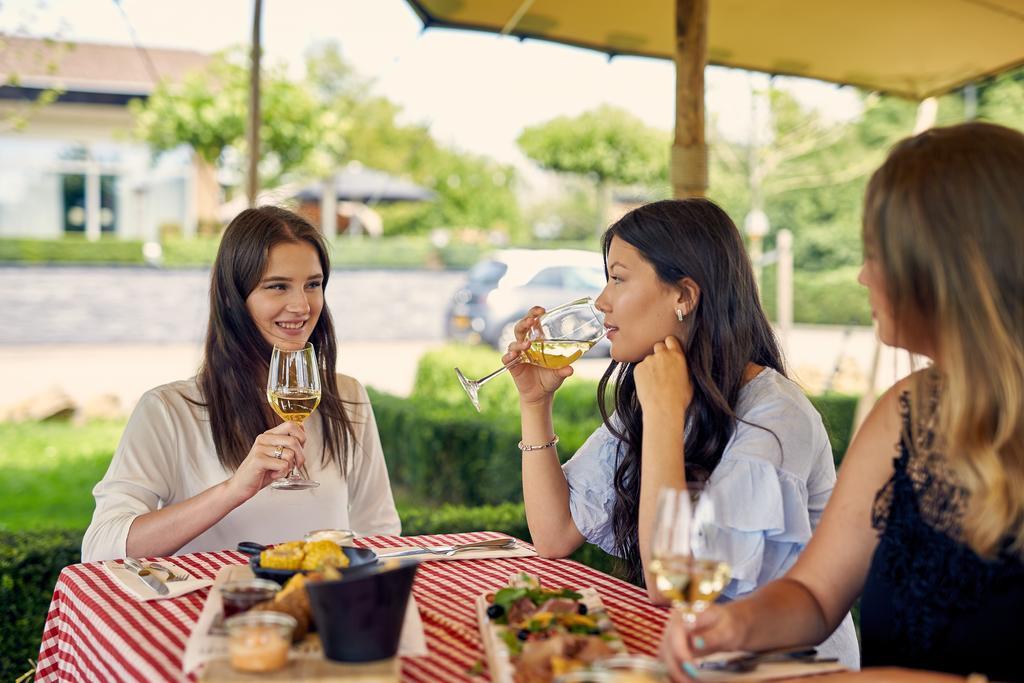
259	641
238	596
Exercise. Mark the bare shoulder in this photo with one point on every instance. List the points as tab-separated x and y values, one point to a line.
876	442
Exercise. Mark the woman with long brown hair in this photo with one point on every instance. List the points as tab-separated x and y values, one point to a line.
696	393
926	524
192	470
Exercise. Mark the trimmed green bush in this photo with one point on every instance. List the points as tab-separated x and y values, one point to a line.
837	411
575	411
830	297
192	253
29	565
72	249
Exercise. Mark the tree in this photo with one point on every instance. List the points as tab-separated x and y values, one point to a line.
206	110
472	191
1001	99
607	144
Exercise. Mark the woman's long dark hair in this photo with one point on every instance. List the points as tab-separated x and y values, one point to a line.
233	376
727	330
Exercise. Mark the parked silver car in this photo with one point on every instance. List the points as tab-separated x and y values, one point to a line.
501	288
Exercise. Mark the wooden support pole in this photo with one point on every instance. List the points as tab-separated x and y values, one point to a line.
253	132
689	163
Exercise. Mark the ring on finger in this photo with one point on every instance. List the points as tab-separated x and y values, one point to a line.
278	452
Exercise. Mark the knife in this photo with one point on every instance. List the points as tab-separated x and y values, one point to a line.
750	661
449	550
146	576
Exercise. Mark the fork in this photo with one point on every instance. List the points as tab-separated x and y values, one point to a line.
171	574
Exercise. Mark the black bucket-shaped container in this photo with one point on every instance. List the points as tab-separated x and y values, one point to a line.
359	617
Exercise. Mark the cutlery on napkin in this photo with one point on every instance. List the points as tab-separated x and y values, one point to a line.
765	666
148	586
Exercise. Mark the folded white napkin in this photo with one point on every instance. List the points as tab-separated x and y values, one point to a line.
134	585
768	671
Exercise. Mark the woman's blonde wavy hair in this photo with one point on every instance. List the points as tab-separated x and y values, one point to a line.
945	214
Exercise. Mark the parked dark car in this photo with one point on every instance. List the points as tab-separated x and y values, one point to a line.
500	289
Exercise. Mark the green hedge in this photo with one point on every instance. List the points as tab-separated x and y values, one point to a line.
73	249
837	411
831	297
428	436
29	565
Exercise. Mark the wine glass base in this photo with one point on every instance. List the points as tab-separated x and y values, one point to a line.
471	388
294	484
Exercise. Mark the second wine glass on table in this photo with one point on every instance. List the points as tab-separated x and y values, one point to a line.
293	389
683	572
565	333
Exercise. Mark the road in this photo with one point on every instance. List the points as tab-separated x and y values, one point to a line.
90	331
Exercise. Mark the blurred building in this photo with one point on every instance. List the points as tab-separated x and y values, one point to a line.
70	167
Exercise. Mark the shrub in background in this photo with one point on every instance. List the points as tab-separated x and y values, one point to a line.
74	249
29	565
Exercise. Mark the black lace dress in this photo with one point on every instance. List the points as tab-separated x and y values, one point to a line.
929	601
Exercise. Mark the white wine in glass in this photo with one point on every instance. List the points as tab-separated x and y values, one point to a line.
565	333
293	389
689	582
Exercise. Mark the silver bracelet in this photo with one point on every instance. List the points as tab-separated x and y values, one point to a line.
538	447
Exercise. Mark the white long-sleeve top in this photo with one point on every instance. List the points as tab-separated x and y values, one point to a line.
166	455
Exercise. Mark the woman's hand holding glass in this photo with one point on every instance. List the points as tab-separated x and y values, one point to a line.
719	628
535	383
272	456
550	339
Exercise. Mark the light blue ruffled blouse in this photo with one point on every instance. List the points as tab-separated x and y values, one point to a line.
767	500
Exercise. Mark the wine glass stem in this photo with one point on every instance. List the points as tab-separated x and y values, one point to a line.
484	380
686	612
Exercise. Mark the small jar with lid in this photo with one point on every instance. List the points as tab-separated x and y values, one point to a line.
238	596
632	669
259	641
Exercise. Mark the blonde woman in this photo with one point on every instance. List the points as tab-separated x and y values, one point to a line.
926	523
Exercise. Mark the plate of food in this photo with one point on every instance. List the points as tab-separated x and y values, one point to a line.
532	634
282	561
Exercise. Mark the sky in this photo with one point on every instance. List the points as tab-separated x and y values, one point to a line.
476	91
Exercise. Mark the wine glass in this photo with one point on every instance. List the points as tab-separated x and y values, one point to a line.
683	533
565	334
293	389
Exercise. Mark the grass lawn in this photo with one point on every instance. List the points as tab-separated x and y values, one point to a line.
48	471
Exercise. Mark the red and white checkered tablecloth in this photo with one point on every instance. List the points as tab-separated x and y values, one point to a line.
95	631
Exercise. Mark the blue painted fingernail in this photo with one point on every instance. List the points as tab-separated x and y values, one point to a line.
690	670
698	643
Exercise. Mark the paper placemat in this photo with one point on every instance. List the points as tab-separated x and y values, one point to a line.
208	642
134	585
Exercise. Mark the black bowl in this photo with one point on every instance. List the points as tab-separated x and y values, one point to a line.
358	558
359	617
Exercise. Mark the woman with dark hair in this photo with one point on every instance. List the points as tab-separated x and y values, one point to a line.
700	395
191	470
926	526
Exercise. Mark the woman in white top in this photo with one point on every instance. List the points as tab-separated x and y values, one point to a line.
699	395
192	470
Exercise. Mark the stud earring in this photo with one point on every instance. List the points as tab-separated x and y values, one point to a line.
679	314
